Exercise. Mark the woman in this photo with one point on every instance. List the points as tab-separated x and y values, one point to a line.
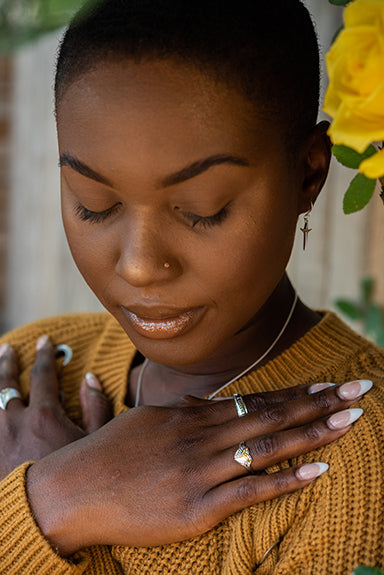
188	149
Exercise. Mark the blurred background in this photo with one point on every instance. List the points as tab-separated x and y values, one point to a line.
37	275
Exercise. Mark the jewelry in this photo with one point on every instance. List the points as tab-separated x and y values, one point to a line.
6	395
249	368
167	265
275	544
241	408
243	456
306	229
64	350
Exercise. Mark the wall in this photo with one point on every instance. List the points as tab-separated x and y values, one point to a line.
41	277
5	129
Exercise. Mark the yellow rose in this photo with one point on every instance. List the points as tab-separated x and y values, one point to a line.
355	97
373	167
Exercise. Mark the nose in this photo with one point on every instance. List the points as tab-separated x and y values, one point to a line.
146	257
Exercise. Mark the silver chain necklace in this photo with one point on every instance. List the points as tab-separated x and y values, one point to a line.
254	364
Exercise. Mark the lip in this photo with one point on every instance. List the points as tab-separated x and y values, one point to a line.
161	322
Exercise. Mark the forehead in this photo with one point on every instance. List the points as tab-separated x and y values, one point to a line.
157	110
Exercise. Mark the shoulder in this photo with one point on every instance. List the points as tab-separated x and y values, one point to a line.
84	332
332	351
60	329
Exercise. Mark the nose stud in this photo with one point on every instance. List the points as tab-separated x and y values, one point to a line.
167	265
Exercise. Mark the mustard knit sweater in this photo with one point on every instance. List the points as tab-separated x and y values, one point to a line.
327	528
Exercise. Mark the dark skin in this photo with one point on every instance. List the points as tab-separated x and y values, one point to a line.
125	130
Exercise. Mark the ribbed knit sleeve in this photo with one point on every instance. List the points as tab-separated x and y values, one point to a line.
23	549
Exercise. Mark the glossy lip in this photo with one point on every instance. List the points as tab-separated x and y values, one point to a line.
162	323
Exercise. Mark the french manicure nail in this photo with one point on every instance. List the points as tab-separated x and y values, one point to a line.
343	418
316	387
311	471
354	389
4	349
92	381
42	342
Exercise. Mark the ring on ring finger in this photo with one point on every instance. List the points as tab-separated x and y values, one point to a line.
6	395
243	456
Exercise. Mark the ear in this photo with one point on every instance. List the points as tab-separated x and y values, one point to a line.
315	159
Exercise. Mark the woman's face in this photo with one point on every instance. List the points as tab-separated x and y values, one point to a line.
179	204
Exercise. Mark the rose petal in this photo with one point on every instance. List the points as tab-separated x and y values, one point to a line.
373	167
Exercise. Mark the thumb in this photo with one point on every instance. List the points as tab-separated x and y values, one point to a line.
97	409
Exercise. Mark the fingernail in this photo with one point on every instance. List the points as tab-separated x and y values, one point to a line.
4	349
42	342
354	389
311	471
341	419
92	381
316	387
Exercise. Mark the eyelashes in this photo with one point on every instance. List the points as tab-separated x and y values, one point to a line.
207	221
86	215
94	217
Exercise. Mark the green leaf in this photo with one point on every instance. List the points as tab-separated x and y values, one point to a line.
349	308
367	287
364	570
23	21
358	194
373	320
334	37
350	158
339	2
380	338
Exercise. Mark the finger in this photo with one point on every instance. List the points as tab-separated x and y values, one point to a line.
9	373
292	413
276	447
231	497
44	387
96	407
310	394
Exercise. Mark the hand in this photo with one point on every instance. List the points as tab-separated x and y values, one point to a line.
157	475
30	432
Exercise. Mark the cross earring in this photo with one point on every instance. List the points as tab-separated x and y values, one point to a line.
306	229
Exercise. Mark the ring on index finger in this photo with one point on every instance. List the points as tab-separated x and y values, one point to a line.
6	395
241	408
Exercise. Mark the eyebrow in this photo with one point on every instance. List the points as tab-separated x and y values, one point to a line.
187	173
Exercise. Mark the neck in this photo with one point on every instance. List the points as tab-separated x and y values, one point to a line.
166	383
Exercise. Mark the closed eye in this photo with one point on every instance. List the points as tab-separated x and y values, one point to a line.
207	221
86	215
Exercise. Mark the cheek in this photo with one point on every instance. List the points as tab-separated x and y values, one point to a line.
89	252
250	262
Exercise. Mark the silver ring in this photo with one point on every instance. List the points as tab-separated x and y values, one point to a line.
243	457
241	408
6	395
64	350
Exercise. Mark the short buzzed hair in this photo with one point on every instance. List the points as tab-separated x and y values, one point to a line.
266	49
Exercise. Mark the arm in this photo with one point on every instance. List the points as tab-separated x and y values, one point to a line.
156	475
35	429
24	550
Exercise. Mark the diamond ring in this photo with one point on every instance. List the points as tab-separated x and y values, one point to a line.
243	457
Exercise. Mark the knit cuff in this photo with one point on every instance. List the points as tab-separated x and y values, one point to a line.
23	548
